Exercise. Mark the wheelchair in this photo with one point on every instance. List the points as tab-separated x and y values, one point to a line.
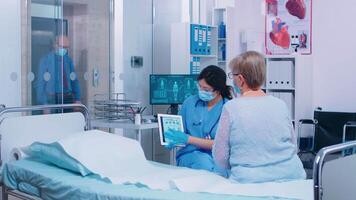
329	128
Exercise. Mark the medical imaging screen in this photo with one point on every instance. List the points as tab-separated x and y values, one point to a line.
172	89
173	122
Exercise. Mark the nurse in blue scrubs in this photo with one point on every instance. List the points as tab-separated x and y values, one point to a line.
201	114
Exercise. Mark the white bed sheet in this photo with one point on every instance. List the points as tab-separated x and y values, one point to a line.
123	162
299	189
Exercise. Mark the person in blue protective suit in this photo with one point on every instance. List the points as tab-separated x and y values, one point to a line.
201	114
56	81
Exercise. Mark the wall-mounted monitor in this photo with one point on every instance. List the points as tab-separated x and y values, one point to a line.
170	89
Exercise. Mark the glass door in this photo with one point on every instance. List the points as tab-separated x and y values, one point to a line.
68	57
46	65
89	34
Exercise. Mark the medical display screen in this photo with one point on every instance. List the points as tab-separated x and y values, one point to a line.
172	89
167	122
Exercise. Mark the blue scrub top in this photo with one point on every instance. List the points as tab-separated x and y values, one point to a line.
198	121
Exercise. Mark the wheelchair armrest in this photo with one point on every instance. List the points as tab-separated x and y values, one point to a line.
350	123
347	124
301	122
307	121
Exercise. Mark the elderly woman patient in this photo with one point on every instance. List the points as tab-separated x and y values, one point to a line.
255	138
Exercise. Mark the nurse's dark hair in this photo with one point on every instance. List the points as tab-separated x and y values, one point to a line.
216	78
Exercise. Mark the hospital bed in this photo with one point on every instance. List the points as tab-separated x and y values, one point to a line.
34	179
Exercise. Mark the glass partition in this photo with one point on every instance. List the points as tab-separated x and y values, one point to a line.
48	44
68	51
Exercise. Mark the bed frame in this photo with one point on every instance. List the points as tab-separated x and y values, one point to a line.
319	161
3	111
321	170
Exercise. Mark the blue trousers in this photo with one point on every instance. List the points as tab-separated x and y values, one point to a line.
200	160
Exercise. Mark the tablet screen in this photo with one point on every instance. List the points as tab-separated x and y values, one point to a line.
167	122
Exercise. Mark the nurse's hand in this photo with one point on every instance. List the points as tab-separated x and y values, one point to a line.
176	137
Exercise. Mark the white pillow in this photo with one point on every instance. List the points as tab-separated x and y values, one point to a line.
104	153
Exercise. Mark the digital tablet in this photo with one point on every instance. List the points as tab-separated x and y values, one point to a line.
166	122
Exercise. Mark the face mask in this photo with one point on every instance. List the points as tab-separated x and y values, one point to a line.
61	51
237	90
206	96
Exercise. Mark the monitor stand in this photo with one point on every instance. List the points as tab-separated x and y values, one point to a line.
174	109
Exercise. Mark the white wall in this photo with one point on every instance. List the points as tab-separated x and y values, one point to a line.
10	53
137	41
334	53
224	3
250	21
133	37
118	86
165	13
206	11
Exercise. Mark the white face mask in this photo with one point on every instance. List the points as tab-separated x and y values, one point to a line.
61	51
237	90
206	96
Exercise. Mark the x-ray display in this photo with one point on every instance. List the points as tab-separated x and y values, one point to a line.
172	89
171	123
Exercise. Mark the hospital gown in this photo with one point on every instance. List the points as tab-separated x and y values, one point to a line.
255	140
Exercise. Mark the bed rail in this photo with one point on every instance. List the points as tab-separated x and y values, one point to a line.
319	164
4	110
82	108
